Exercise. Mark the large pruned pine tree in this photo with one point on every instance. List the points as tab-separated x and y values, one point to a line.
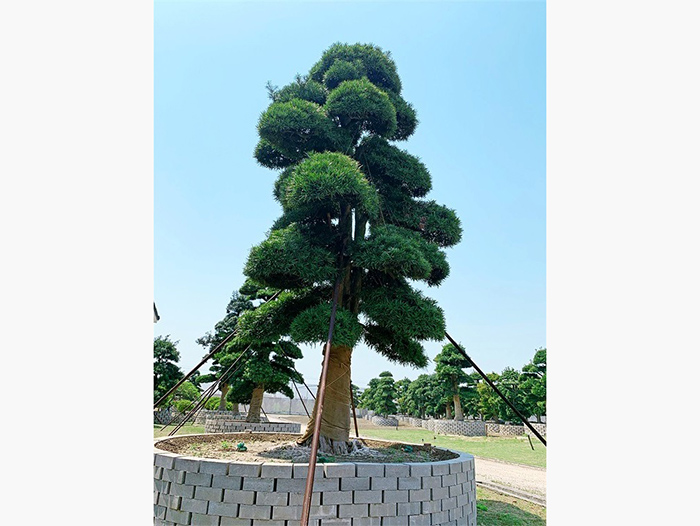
353	210
449	368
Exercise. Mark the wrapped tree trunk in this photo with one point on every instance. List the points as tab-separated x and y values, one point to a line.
255	404
335	419
459	415
222	402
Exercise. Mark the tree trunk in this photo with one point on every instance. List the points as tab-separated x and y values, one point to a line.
449	411
335	419
235	410
459	415
222	402
255	404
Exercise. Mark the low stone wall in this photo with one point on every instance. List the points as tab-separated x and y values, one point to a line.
196	491
540	428
457	427
381	421
226	423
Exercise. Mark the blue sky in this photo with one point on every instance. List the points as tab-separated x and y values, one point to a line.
476	74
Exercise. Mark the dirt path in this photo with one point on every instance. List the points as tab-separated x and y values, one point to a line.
527	480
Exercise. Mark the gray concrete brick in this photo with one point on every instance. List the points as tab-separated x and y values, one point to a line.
461	477
159	522
462	500
441	468
256	484
212	494
449	480
323	512
224	509
382	510
198	479
440	517
353	510
157	472
276	471
213	468
410	483
155	497
400	495
440	493
194	505
178	517
187	464
397	470
244	469
297	499
334	522
234	521
172	475
455	490
366	521
431	482
159	511
367	497
296	485
369	470
274	498
169	501
339	470
300	472
239	497
264	522
419	495
352	484
337	497
449	504
431	506
456	514
246	511
161	486
290	513
182	490
227	482
456	467
164	461
395	521
420	469
204	520
419	520
408	508
384	483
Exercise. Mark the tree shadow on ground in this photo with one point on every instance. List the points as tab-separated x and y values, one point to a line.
498	513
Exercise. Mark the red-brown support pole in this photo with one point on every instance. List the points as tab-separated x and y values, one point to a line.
354	416
306	504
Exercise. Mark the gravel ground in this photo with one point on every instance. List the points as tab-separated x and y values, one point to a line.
527	479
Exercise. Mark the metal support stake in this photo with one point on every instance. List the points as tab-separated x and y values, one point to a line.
306	504
486	378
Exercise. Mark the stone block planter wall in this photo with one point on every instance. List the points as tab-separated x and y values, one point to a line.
196	491
381	421
226	423
464	428
540	428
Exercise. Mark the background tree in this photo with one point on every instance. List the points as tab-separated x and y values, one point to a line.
353	210
402	395
166	372
380	395
533	383
450	368
488	401
509	384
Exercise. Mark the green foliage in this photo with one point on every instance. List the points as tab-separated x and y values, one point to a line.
184	406
166	373
358	105
187	391
269	157
405	311
302	88
311	326
340	71
286	259
387	165
326	181
376	65
406	118
449	368
380	395
533	383
214	402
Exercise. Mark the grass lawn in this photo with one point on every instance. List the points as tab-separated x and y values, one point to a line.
494	509
185	430
516	449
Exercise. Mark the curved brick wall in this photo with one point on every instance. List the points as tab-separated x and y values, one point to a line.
225	423
197	491
381	421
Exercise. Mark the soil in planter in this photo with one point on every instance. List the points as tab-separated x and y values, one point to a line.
275	447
